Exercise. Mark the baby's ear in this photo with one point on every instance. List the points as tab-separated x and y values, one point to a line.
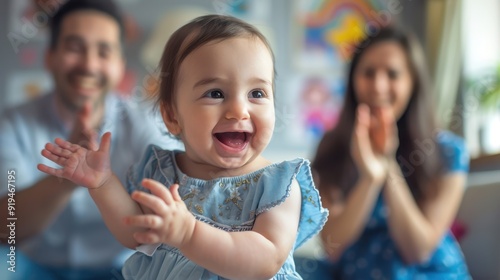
170	120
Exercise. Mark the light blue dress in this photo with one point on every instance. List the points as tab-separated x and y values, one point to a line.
228	203
374	255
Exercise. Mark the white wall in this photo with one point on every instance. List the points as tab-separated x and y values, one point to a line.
481	35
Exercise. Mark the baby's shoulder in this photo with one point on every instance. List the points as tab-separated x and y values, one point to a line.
276	182
156	163
290	167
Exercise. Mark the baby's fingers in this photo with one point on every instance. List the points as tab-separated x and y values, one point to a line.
58	151
144	221
147	237
159	190
49	170
156	204
174	190
66	145
57	159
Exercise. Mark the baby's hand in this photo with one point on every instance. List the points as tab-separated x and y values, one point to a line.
170	223
80	165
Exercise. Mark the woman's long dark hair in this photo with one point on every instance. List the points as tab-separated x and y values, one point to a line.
333	161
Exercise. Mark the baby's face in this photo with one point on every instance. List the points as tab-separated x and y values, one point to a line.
224	105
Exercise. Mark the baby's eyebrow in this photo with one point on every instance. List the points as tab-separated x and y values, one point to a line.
206	81
211	80
260	80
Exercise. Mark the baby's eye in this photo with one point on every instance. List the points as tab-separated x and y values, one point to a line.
214	94
257	94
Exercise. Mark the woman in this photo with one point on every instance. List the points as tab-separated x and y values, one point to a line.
391	179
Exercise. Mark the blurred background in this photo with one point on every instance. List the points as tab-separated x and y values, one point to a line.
312	41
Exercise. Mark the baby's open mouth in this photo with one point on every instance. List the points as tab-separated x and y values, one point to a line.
233	139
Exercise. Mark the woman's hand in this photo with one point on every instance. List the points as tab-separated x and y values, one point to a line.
374	142
82	166
384	132
170	223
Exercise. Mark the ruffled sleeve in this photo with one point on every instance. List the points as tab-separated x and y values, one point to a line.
454	152
140	170
275	186
156	164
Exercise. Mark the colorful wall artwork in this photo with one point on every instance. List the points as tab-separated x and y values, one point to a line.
325	34
316	102
328	29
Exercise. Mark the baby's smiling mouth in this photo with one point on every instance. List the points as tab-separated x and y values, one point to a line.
233	139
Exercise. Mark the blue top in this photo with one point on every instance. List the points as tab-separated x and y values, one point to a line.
375	256
228	203
78	237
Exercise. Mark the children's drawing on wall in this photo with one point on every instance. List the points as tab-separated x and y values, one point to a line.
319	111
327	30
320	101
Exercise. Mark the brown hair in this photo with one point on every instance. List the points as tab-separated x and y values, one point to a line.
333	161
199	32
107	7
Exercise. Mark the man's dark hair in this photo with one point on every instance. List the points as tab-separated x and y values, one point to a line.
107	7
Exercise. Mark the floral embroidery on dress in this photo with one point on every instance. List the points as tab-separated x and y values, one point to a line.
234	197
193	191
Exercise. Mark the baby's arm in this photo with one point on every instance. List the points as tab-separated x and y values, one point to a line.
91	168
256	254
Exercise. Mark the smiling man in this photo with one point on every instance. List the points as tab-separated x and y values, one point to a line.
59	233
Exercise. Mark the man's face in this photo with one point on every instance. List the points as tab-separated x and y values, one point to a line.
87	61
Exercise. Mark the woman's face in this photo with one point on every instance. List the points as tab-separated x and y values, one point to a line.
383	78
